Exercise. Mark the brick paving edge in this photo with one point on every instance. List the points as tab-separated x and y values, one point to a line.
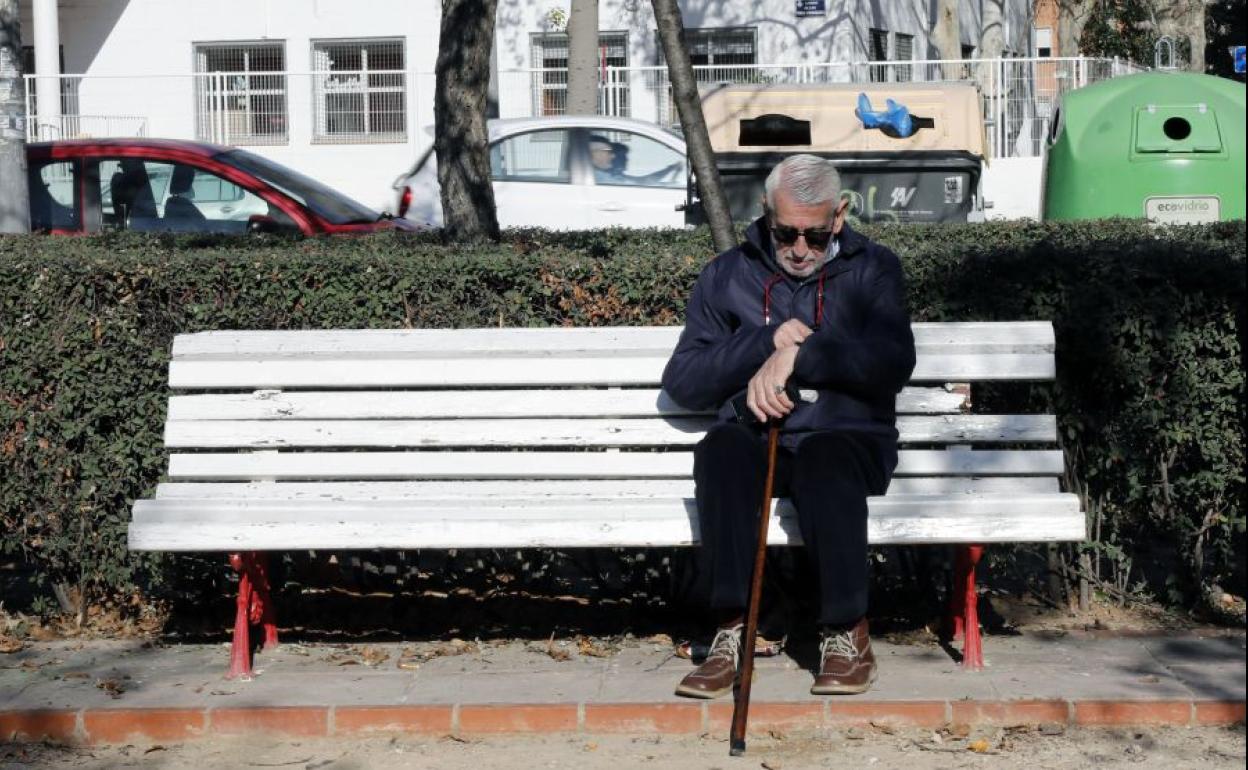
171	725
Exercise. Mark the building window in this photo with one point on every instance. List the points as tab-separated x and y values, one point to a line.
1044	42
550	81
903	50
359	91
731	46
718	55
240	93
968	70
877	41
880	50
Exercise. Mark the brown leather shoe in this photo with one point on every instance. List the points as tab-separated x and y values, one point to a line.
848	664
716	674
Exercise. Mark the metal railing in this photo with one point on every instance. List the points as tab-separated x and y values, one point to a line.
383	107
235	108
85	127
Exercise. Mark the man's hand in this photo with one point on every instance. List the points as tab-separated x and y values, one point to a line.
791	332
765	394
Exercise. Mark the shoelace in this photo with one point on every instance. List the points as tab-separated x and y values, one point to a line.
727	644
842	645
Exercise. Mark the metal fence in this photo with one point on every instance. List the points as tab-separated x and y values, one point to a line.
232	108
372	106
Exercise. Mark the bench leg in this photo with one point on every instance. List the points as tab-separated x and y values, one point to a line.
264	598
957	594
240	648
254	607
964	606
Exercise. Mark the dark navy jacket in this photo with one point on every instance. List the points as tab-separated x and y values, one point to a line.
859	357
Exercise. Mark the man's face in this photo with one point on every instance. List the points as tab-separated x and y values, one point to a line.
800	258
601	155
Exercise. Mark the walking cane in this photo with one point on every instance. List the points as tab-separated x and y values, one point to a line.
741	704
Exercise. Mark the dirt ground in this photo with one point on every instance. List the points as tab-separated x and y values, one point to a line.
1167	748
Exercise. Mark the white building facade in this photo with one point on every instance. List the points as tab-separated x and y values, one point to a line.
343	90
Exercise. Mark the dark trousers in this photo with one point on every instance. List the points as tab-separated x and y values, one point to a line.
828	476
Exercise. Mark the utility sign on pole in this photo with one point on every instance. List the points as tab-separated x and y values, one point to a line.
14	196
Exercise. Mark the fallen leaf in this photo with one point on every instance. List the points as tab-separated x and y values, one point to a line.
343	658
979	746
374	656
113	687
587	646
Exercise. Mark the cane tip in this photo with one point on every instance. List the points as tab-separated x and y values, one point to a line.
737	748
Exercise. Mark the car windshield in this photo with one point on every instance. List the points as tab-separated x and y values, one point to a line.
324	201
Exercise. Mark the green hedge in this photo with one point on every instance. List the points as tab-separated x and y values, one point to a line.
1150	392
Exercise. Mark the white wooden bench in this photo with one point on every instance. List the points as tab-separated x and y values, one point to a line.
560	437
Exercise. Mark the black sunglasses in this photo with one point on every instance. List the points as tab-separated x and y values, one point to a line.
816	238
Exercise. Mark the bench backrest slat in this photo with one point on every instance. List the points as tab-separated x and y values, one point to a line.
517	433
547	489
279	466
474	404
976	336
604	370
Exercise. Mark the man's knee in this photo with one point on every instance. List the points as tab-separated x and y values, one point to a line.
829	446
729	442
843	461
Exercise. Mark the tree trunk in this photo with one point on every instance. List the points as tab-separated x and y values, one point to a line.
14	194
689	107
992	30
947	36
1184	21
583	58
460	140
1072	15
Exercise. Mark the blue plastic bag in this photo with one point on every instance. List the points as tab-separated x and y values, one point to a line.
895	116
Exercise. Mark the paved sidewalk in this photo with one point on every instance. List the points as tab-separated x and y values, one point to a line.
110	692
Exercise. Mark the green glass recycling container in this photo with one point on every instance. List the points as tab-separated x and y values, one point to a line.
1164	146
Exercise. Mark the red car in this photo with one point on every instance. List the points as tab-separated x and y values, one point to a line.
165	185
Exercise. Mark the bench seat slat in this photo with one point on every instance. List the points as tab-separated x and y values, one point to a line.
193	525
558	465
520	371
473	404
219	345
674	431
546	489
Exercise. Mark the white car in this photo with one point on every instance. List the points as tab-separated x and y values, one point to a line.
571	172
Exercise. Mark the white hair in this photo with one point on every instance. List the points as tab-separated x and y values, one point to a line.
811	180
